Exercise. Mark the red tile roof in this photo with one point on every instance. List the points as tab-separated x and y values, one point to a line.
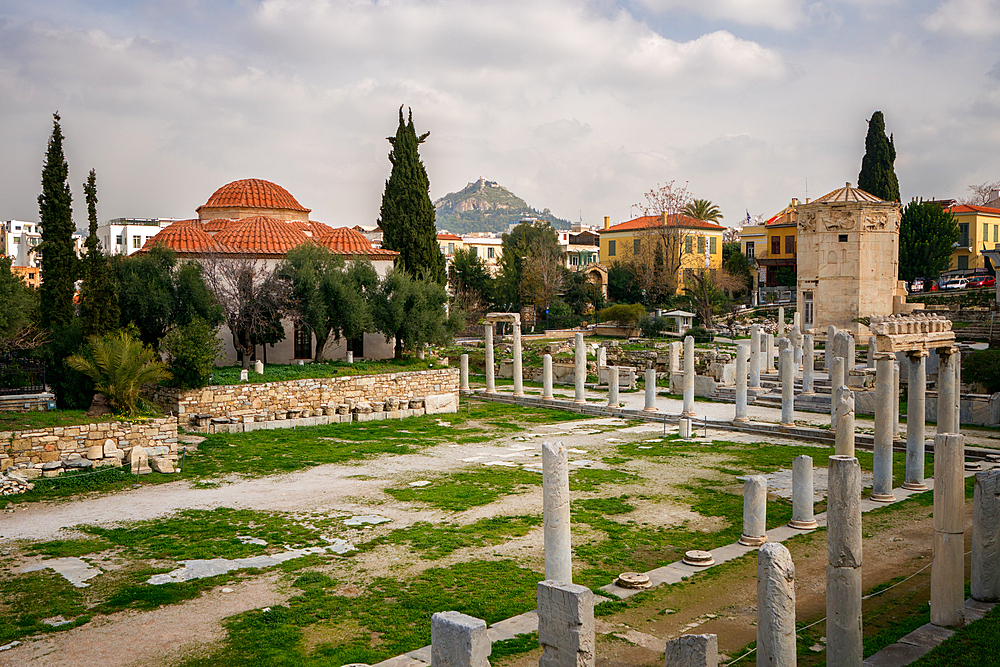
346	241
186	238
253	193
216	225
969	208
647	221
261	234
448	237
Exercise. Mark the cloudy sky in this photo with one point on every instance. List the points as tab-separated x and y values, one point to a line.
576	106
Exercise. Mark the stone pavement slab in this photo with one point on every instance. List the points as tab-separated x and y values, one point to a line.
896	655
509	628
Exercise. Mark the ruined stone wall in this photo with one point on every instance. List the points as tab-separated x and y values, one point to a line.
69	444
242	400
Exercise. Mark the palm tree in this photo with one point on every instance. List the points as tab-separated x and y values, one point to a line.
121	365
702	209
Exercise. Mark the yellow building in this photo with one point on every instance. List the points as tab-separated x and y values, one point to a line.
698	242
980	230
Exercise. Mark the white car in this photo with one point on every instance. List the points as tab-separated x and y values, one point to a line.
955	283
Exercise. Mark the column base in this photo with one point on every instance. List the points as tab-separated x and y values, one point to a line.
748	541
489	392
803	525
808	393
579	402
884	498
740	420
689	415
548	398
914	486
517	394
788	425
650	410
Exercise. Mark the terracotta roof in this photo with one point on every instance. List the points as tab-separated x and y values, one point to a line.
647	221
969	208
253	193
347	241
448	237
185	237
845	195
216	225
261	234
319	228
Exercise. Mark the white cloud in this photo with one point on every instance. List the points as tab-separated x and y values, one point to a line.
777	14
973	18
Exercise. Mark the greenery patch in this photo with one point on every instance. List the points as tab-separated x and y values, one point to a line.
470	488
438	540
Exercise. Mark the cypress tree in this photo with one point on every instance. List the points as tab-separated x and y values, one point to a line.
877	175
58	259
98	293
927	235
407	214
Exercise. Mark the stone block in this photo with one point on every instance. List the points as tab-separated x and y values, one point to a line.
565	625
693	651
76	461
162	464
440	403
986	536
458	640
95	452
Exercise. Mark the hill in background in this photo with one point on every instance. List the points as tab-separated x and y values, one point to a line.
484	206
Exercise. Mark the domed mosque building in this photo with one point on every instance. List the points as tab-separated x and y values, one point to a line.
262	220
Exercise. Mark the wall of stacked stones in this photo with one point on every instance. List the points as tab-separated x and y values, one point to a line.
59	447
315	395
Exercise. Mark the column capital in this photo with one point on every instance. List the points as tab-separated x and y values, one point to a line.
947	351
918	353
884	355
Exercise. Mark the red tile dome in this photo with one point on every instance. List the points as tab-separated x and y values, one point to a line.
253	193
185	237
261	234
346	240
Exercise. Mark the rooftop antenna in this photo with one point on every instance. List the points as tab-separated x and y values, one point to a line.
807	188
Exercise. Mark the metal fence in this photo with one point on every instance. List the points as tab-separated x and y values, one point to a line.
21	377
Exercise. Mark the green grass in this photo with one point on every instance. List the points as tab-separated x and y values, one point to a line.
24	421
459	491
31	597
435	541
590	479
223	375
388	619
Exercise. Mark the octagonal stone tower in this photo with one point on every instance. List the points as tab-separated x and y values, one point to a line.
848	259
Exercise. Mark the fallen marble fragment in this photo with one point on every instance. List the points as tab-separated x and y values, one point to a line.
75	570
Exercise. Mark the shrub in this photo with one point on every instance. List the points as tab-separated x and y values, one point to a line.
119	366
623	315
700	334
984	367
651	326
191	353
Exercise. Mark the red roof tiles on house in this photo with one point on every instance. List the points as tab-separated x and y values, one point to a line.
253	193
216	225
185	237
261	234
647	221
346	241
448	237
969	208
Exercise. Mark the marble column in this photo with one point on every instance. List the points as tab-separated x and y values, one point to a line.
602	357
808	364
852	355
675	356
580	369
755	356
802	493
882	459
958	390
797	319
787	375
895	399
795	335
650	390
518	374
742	357
688	377
915	416
831	336
546	377
754	511
948	564
770	354
780	331
836	381
555	511
463	365
946	417
844	398
986	536
490	381
458	640
775	606
870	361
613	386
843	570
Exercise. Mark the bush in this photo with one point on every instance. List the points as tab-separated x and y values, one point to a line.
623	315
119	364
651	326
191	353
700	334
984	367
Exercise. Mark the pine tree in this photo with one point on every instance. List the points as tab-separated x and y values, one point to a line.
927	235
98	293
407	214
877	175
58	259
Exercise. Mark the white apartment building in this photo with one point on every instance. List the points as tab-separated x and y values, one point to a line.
18	240
124	236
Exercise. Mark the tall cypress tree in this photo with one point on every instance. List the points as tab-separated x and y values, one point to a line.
877	175
58	259
407	214
98	293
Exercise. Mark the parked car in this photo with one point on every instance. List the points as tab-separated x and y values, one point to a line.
917	285
983	281
955	283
